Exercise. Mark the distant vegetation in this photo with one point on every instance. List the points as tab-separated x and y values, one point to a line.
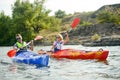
31	19
28	19
108	17
60	14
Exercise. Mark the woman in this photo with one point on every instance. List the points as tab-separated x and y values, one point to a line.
21	45
58	44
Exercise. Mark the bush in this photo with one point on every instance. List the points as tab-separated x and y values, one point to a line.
108	17
85	23
96	37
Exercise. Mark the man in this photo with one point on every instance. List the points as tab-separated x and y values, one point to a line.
21	45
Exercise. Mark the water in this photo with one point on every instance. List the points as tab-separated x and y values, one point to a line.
64	69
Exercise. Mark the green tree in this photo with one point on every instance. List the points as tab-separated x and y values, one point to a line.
31	18
60	14
5	30
55	24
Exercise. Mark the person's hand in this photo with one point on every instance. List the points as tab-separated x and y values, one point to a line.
51	50
31	42
66	34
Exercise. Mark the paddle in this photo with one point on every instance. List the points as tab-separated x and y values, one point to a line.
74	23
12	53
36	38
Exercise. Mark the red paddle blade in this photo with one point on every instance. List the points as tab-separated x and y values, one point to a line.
75	22
38	37
11	53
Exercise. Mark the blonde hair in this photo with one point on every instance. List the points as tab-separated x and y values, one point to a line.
59	35
19	35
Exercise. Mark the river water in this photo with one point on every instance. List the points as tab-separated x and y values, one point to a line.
64	69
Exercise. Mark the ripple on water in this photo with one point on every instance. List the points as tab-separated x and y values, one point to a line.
63	69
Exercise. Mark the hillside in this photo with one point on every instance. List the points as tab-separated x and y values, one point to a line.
91	16
108	32
115	9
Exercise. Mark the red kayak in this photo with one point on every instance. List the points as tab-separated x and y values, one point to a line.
81	54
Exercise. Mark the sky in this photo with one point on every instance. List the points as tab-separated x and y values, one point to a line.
69	6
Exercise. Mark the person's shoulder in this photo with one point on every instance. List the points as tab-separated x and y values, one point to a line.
15	44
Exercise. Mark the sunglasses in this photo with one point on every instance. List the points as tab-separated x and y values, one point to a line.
18	38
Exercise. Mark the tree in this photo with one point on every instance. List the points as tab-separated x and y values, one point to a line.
5	29
30	18
60	14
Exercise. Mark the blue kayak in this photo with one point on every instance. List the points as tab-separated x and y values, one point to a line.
31	58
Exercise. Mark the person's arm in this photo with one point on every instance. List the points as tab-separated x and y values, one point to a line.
15	47
53	46
52	49
67	38
31	45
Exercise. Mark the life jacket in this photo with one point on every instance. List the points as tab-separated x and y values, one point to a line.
21	45
58	46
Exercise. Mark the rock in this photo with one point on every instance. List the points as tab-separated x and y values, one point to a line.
105	41
109	33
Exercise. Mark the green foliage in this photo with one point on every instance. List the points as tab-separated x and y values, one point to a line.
85	23
26	17
60	14
30	18
55	25
96	37
108	17
5	29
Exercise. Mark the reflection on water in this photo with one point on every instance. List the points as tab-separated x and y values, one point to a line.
13	68
63	69
104	61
